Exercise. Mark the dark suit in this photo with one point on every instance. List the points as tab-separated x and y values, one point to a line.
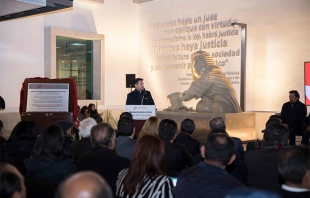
125	146
295	118
80	147
192	145
177	158
105	162
135	97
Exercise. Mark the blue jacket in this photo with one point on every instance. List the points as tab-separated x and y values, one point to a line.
204	180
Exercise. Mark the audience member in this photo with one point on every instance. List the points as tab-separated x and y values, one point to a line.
293	116
219	123
48	161
101	158
126	114
2	141
125	144
2	103
185	137
177	156
20	144
66	127
294	168
11	182
262	163
86	184
99	120
93	111
83	114
208	178
150	127
251	193
83	145
146	174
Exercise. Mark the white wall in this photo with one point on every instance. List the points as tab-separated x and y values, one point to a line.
278	44
22	45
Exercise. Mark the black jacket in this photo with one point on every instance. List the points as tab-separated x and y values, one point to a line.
18	150
50	171
80	147
105	162
135	98
177	158
294	118
192	145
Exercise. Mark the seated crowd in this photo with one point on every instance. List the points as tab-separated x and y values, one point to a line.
105	162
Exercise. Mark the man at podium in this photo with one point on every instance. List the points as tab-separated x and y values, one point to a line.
139	96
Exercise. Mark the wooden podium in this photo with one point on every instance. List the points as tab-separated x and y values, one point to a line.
45	101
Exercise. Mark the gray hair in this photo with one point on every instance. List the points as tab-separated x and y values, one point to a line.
85	127
217	123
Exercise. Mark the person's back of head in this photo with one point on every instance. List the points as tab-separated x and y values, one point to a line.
86	184
85	127
219	148
24	130
272	121
148	160
188	126
167	129
49	145
217	123
103	135
11	182
125	126
150	127
294	166
126	114
276	132
64	125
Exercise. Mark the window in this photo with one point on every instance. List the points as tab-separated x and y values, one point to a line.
74	60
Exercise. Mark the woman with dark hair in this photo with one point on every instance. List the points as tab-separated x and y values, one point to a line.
146	174
83	114
48	161
20	144
93	111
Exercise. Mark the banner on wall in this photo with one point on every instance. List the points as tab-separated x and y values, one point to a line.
307	83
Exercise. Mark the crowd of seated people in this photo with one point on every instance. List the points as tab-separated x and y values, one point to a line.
100	164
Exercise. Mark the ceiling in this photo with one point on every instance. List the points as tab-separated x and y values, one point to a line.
13	9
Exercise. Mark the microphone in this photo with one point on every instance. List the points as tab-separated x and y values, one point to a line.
144	94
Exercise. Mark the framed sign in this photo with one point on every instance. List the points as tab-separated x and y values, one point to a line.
42	97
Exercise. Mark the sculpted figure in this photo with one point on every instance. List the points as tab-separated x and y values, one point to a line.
214	88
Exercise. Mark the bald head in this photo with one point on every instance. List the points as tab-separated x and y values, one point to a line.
85	185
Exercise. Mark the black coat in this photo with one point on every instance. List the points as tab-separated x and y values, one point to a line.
18	150
50	171
294	118
80	147
105	162
177	158
192	145
135	98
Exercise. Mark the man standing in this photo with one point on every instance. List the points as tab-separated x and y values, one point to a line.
293	115
139	96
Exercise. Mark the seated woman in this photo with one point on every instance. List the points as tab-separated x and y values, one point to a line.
93	111
146	174
83	114
48	161
20	144
150	126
